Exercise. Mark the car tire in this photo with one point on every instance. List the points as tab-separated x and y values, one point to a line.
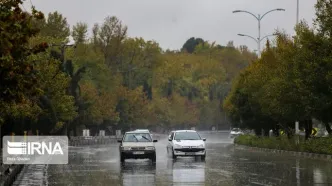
153	158
173	155
122	158
203	157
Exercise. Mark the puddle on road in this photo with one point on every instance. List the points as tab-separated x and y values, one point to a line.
110	161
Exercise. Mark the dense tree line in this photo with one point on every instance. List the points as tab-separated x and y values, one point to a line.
290	82
108	79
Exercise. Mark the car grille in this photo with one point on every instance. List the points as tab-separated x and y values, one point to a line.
137	148
190	149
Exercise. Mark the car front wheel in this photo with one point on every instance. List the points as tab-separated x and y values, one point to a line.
122	158
173	155
153	158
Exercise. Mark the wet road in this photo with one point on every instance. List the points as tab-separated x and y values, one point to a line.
224	165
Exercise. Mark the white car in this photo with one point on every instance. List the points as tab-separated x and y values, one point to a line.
144	130
236	132
137	145
186	143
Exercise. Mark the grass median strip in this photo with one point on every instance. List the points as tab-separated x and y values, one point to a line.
314	145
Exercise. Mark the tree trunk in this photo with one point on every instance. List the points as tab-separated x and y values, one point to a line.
276	131
75	130
289	133
308	128
258	132
266	132
328	127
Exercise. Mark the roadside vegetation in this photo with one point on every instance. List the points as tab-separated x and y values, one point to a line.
317	145
108	80
292	81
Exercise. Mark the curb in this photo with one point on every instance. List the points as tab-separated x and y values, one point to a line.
12	175
294	153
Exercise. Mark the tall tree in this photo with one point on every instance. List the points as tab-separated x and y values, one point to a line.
190	45
108	37
56	26
18	76
79	32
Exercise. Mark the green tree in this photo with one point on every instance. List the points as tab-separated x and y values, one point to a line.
19	87
190	45
56	26
79	32
108	38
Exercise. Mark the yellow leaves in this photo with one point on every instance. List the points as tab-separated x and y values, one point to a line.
102	102
173	111
171	68
18	110
89	91
58	125
185	66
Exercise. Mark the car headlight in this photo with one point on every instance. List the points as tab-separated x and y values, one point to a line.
125	148
177	146
149	148
201	146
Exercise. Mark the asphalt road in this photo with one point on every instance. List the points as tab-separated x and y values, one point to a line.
224	165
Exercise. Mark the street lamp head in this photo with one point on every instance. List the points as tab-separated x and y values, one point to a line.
240	34
236	11
280	9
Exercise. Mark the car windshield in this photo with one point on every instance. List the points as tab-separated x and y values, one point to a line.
187	136
236	130
137	137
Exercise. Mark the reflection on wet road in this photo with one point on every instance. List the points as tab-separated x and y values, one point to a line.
224	165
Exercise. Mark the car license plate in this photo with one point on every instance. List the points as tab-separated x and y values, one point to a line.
190	153
138	152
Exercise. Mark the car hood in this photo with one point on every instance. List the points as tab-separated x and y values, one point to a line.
137	144
189	142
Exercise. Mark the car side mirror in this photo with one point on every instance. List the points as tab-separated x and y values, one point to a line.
204	139
119	141
155	141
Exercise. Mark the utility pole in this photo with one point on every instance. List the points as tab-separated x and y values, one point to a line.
297	12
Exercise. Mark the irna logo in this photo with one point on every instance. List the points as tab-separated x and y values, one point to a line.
31	148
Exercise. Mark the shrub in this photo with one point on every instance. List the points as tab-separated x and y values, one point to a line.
314	145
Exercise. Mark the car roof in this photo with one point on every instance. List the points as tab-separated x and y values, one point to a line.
138	132
142	130
184	131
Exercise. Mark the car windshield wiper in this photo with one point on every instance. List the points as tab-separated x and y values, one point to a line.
146	138
135	137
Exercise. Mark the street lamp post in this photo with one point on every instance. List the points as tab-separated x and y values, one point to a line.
297	12
256	40
259	18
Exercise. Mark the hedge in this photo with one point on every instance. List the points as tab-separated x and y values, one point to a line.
313	145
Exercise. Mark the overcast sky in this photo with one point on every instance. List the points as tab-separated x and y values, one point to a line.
172	22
